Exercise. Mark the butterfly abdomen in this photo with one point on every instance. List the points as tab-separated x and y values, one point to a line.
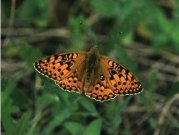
92	64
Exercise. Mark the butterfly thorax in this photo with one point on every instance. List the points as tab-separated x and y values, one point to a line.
92	63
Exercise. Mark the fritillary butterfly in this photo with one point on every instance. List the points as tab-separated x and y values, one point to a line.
100	77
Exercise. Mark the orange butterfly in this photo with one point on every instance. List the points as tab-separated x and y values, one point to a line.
100	77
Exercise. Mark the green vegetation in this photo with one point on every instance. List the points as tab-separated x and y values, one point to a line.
143	35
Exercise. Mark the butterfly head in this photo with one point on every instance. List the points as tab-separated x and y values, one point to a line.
94	50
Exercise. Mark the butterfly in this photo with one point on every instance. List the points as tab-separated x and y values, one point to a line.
98	76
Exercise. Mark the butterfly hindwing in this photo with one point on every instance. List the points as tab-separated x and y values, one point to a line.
72	83
100	91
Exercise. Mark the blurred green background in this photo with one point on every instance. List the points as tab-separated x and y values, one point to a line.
143	35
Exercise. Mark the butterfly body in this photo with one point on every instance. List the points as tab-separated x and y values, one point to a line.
98	76
91	67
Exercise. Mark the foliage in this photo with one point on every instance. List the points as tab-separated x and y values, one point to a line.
32	104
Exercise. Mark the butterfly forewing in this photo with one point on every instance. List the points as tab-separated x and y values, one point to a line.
63	69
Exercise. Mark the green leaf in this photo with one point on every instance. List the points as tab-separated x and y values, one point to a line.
4	83
123	105
78	30
153	123
74	128
8	108
106	8
29	53
94	128
33	128
8	88
7	120
34	12
57	120
120	108
173	90
152	82
147	96
89	106
22	125
125	59
11	51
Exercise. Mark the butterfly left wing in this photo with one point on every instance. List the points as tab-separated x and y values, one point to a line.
73	83
63	69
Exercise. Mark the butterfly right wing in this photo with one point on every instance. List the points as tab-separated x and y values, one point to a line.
121	80
113	80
